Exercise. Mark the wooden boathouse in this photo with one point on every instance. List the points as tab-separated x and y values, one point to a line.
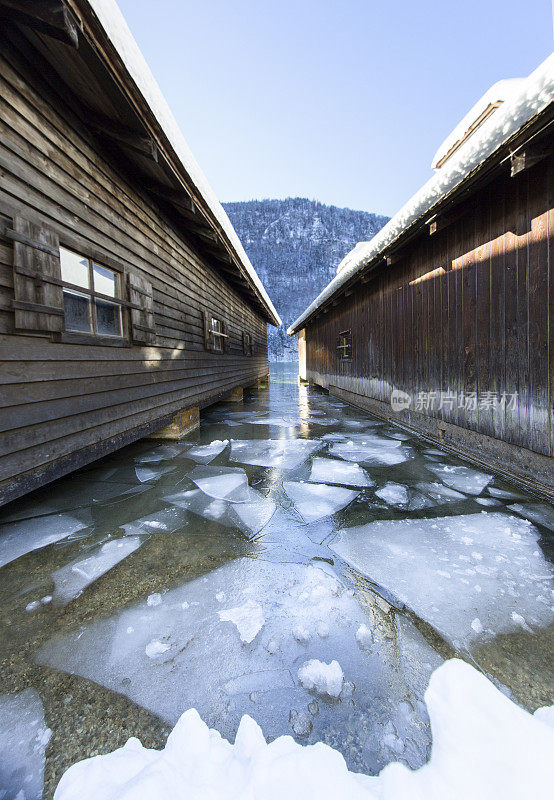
127	302
443	323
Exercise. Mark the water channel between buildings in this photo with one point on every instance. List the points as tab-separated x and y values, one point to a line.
206	573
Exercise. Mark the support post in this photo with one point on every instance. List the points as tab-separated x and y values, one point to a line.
235	396
182	423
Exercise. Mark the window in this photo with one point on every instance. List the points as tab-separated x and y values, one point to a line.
217	334
344	346
91	296
247	348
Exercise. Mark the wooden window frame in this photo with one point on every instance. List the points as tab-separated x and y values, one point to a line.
344	345
216	339
247	344
92	337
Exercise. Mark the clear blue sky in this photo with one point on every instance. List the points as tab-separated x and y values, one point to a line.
345	101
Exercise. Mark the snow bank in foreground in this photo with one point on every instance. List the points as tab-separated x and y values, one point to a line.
484	746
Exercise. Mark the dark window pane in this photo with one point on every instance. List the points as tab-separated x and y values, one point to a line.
108	318
77	312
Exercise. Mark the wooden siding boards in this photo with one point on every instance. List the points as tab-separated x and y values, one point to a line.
62	404
480	320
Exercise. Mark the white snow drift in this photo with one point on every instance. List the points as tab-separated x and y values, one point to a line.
484	747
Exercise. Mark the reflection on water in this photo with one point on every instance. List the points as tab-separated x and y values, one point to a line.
288	528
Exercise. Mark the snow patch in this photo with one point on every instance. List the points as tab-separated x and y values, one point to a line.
322	678
248	618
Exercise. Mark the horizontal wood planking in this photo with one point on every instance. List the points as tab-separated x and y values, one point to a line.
466	309
59	399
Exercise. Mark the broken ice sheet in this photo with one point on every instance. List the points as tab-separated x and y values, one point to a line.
223	483
315	501
204	453
330	470
166	520
147	474
205	665
502	494
451	570
71	580
541	513
276	422
283	454
19	538
440	494
248	517
23	741
164	452
394	494
371	449
463	479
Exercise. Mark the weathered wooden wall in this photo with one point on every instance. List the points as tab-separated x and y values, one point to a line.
64	404
467	309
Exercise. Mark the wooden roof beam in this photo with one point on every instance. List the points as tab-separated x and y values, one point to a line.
177	197
125	137
51	17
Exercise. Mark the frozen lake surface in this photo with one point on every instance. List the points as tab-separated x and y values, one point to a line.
294	559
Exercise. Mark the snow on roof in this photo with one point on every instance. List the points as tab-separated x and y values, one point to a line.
117	31
527	98
499	92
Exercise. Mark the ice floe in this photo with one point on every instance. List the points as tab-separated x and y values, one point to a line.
166	520
208	666
379	451
484	746
149	474
503	494
463	479
330	470
164	452
439	493
23	741
394	494
434	567
204	453
223	483
19	538
541	513
315	501
284	454
71	580
249	517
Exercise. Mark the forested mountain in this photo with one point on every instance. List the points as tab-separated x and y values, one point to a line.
295	246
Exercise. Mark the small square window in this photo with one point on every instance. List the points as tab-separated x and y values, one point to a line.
217	335
247	344
90	310
344	346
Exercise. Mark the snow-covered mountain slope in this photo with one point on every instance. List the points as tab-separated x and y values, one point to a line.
295	246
